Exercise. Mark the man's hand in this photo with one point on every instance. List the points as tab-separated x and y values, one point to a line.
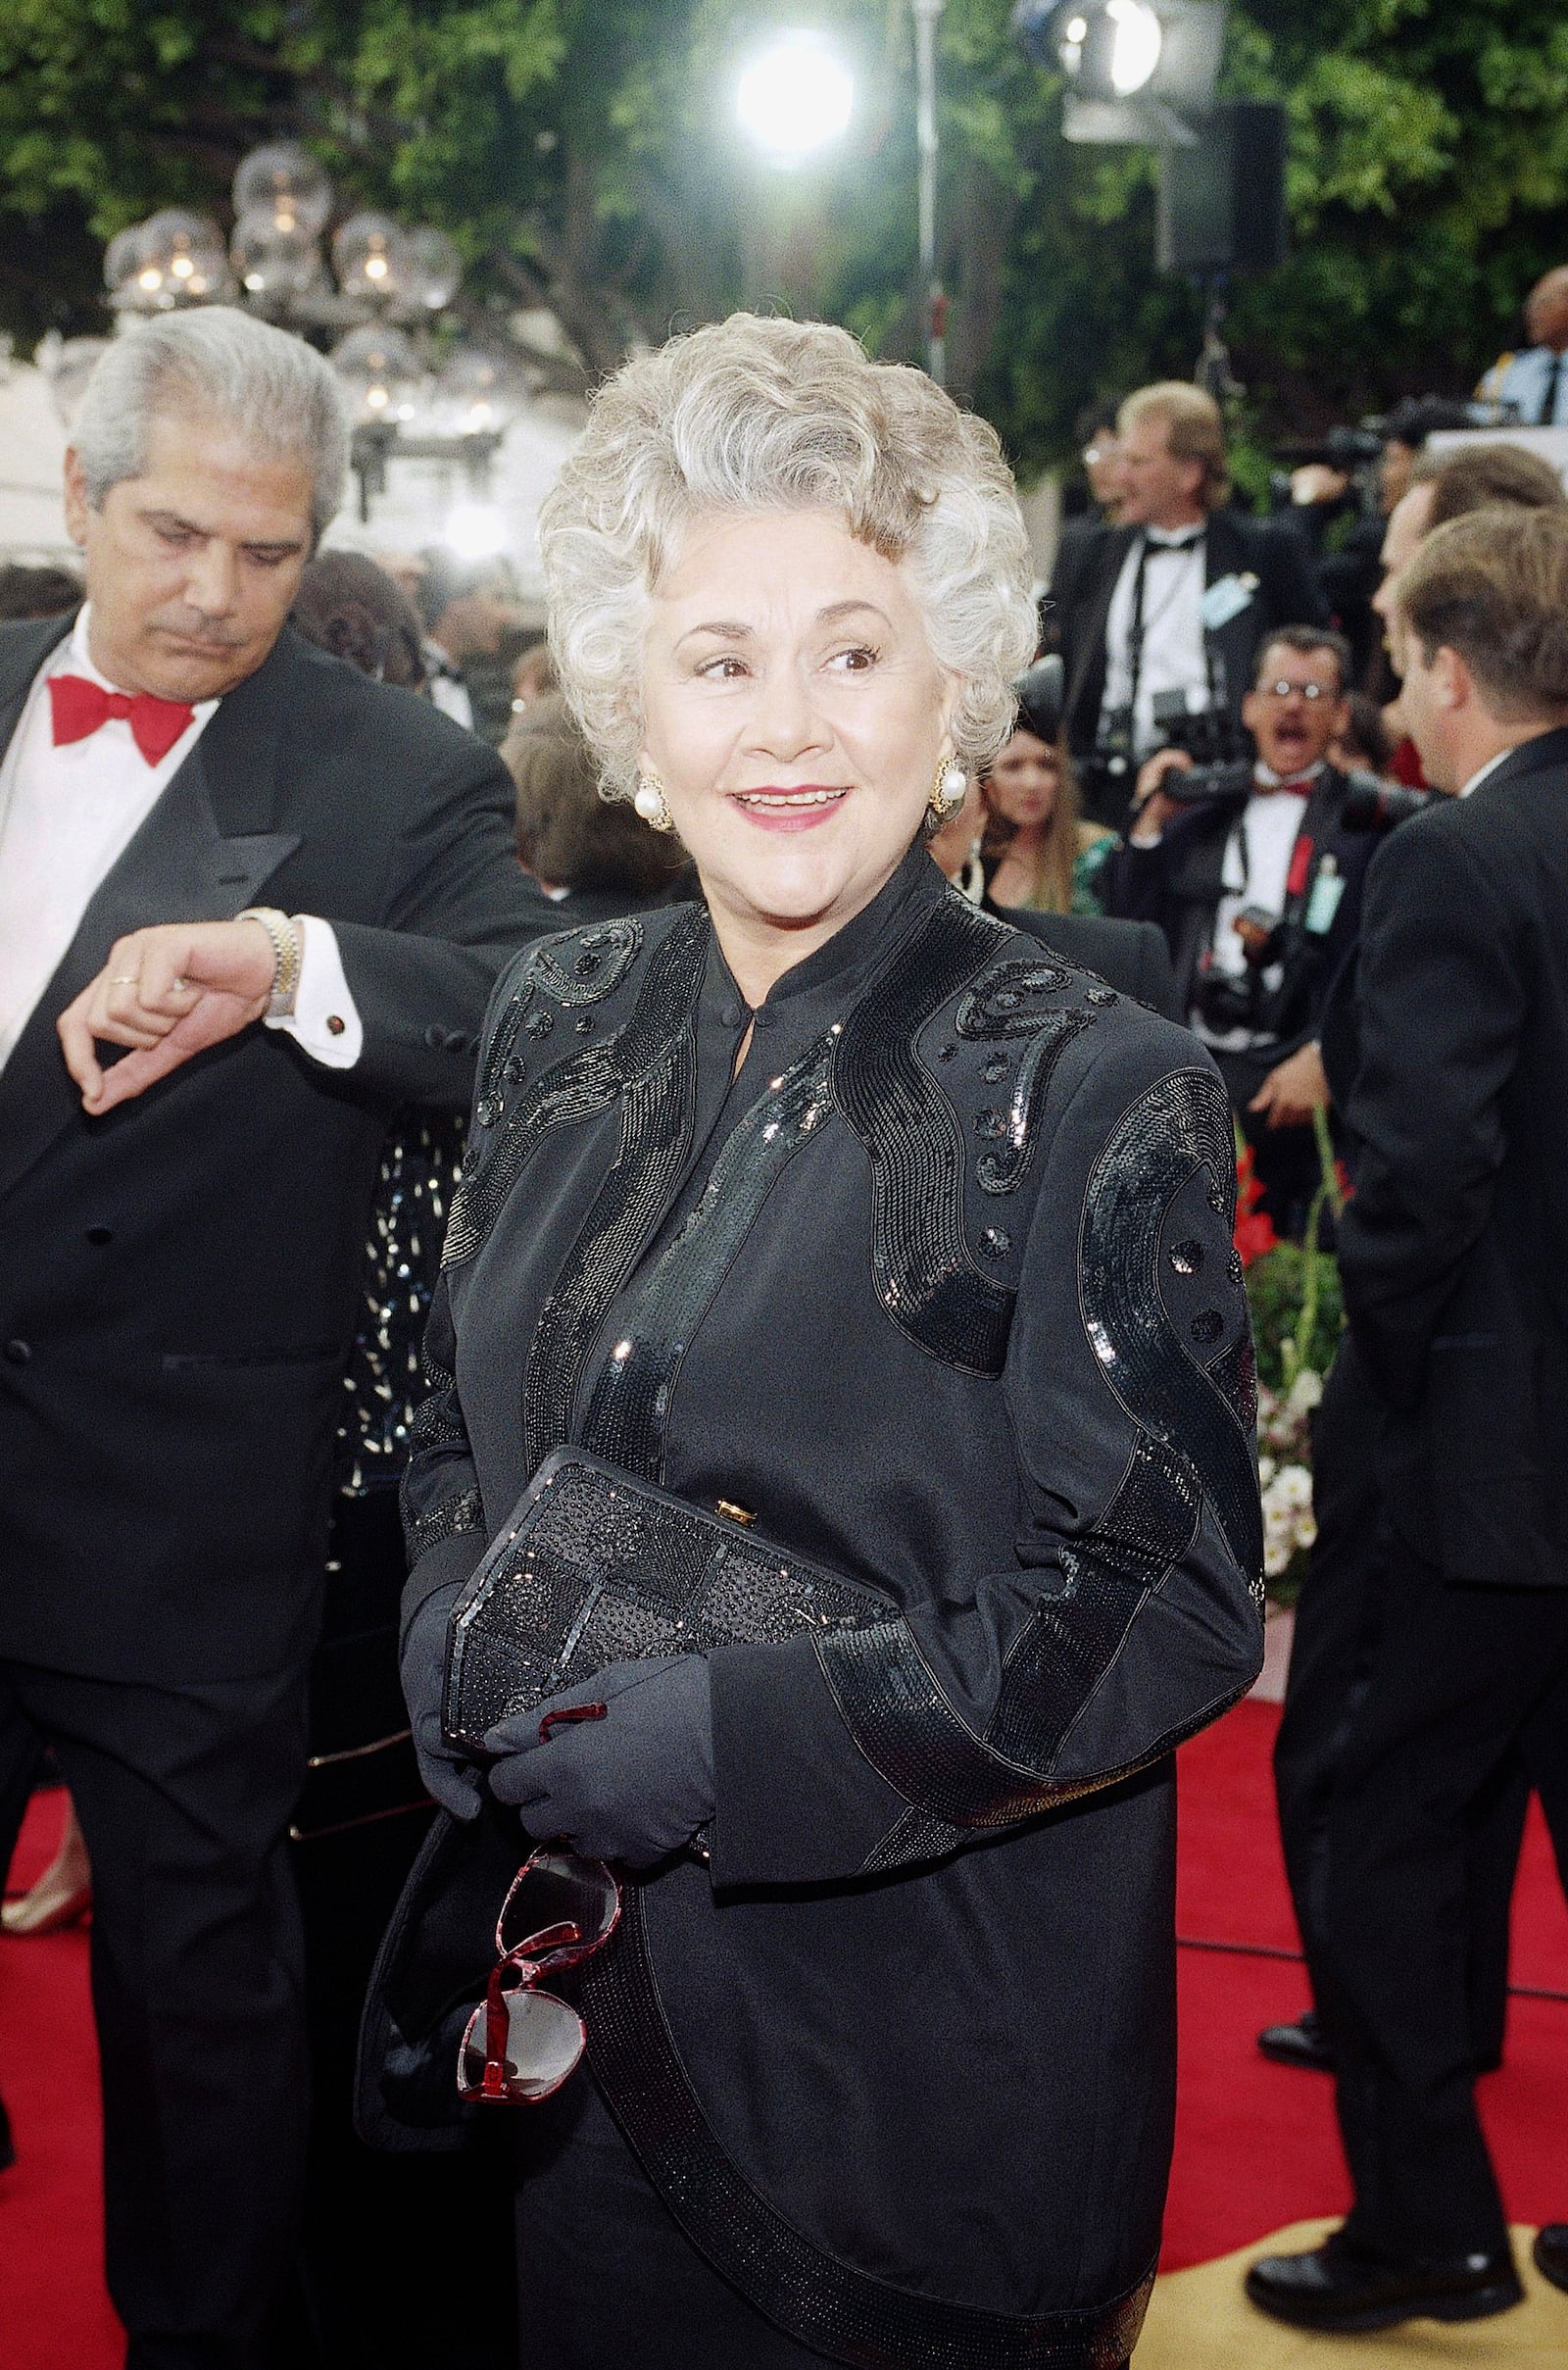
1152	808
1293	1091
166	993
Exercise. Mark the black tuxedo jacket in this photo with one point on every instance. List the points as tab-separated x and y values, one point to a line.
179	1279
1087	564
1452	1249
1179	882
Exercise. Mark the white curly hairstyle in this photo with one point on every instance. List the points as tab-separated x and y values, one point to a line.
756	415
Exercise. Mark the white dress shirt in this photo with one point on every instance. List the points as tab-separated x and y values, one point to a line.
1174	658
1255	876
67	814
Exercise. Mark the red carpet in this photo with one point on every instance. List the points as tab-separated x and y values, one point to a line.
1256	2144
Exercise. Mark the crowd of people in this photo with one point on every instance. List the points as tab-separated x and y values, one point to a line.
797	1073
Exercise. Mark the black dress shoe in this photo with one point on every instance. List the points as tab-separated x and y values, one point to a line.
1338	2288
1299	2044
1550	2252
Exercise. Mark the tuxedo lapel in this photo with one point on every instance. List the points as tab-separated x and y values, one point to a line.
22	651
1235	643
201	855
1085	693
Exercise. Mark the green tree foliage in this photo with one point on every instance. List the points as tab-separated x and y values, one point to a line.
584	153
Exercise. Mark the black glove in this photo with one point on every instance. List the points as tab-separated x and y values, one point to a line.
634	1784
448	1773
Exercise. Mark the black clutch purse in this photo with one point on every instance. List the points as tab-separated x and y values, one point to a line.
593	1567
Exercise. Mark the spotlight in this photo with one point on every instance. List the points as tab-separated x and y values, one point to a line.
794	96
1134	69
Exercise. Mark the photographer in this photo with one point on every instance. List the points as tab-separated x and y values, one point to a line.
1255	879
1172	603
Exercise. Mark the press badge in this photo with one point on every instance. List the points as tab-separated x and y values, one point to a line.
1226	599
1324	902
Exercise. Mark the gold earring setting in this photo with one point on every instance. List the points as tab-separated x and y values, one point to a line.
651	804
949	789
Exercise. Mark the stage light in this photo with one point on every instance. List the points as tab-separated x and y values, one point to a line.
795	97
1109	49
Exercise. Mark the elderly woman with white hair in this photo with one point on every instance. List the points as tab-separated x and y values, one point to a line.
833	1203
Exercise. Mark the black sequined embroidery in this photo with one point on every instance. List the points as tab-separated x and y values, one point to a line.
628	1414
822	2302
1179	1125
924	1275
463	1513
582	1083
1007	1005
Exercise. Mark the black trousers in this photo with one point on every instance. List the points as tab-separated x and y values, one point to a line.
1457	1683
184	1797
1330	1669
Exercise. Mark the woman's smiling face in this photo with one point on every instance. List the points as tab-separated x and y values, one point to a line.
796	716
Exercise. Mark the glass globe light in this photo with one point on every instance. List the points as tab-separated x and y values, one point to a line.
271	261
181	260
435	270
472	392
122	257
379	370
68	366
370	257
285	183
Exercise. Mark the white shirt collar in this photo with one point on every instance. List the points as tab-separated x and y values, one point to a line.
1480	775
1178	538
1265	778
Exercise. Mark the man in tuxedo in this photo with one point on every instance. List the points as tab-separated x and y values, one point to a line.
192	1103
1452	1259
1259	892
1174	602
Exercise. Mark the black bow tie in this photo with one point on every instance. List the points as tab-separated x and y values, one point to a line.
1158	542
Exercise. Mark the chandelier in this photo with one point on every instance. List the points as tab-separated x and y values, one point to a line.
373	294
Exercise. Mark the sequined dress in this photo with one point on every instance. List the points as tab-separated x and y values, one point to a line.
941	1287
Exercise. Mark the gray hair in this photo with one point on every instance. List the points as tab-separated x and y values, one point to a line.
753	415
277	390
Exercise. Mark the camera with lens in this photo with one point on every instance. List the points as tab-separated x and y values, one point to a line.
1204	785
1039	692
1371	805
1208	735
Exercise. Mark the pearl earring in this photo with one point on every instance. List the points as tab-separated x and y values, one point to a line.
949	789
650	803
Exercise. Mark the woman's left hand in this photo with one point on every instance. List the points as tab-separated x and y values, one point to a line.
633	1781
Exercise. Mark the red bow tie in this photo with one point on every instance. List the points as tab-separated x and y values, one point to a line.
80	706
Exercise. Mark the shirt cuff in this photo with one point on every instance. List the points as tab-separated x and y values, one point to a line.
326	1021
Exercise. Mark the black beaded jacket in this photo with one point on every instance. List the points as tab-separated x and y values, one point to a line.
941	1288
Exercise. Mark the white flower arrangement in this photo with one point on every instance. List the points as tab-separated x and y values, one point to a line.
1283	1473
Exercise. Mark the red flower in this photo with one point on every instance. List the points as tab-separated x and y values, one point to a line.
1342	1178
1254	1236
1255	1228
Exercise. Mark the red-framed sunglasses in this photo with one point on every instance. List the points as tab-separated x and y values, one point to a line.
520	2042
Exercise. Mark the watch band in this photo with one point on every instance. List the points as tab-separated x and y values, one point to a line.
287	955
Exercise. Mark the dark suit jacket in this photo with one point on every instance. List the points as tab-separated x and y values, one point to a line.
1131	956
1178	883
178	1280
1088	565
1453	1248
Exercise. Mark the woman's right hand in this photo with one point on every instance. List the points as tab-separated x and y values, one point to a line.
450	1777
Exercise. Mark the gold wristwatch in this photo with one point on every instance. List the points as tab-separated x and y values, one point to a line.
288	952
